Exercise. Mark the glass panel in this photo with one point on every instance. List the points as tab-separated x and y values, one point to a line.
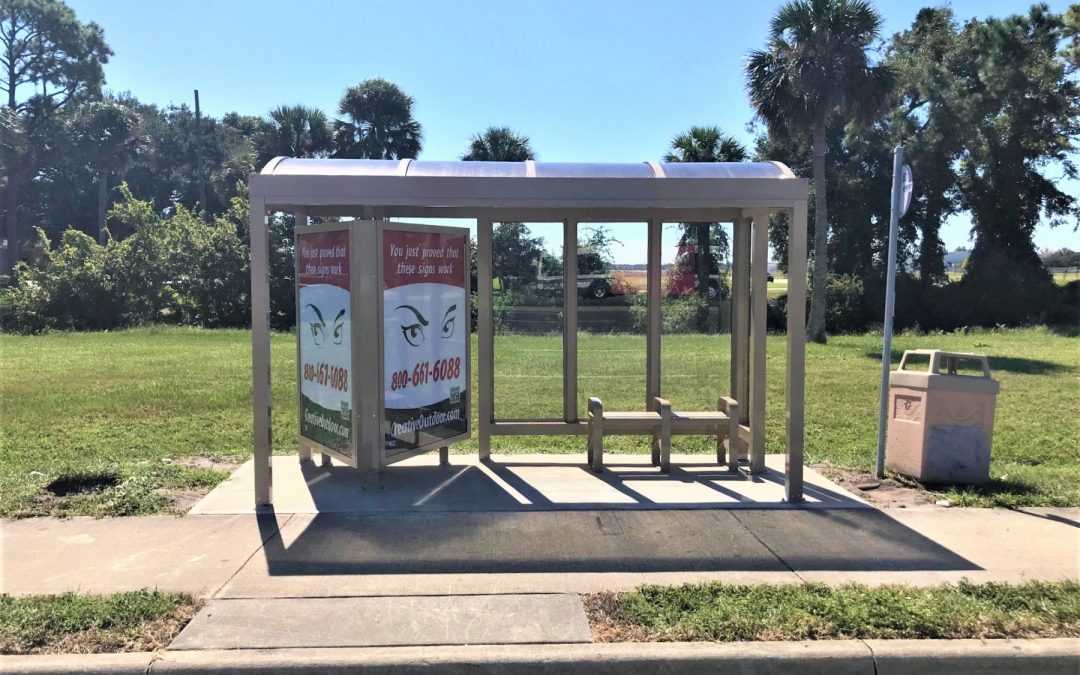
527	314
612	319
695	349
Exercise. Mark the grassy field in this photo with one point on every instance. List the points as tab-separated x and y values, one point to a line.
102	423
726	613
87	624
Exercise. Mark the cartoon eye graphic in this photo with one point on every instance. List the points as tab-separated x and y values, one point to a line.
339	327
414	332
318	328
448	322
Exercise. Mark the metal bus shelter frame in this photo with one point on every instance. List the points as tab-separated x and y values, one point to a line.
744	194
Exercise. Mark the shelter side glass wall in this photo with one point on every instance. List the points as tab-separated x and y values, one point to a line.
611	321
527	316
695	309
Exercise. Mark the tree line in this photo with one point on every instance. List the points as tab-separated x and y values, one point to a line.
987	110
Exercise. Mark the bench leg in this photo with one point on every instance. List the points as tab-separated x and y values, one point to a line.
665	436
734	442
655	449
596	435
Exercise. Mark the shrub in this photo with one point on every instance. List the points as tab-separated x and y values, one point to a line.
71	287
679	314
845	308
175	269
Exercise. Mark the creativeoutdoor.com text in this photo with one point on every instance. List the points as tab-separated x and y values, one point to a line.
425	421
325	423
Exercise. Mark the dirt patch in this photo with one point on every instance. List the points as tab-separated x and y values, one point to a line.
184	498
151	636
887	493
607	622
228	464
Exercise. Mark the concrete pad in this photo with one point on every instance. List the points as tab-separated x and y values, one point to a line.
520	483
196	554
353	553
386	621
1017	545
845	540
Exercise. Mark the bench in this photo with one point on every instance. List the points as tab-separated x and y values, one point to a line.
661	424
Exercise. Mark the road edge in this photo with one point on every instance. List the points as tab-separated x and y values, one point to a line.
832	657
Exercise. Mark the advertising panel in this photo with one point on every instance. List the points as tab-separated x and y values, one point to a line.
324	329
425	337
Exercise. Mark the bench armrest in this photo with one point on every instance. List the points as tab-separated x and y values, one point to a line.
663	406
596	407
726	403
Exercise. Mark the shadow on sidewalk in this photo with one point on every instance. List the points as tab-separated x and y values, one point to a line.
600	541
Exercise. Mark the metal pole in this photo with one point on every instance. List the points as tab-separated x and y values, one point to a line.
890	292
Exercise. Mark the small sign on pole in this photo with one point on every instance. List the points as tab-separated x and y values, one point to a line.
909	188
902	189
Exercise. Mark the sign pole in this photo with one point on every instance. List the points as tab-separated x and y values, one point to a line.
901	195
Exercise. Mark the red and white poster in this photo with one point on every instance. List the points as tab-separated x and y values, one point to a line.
323	325
425	337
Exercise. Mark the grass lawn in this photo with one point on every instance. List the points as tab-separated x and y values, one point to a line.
726	613
107	419
86	624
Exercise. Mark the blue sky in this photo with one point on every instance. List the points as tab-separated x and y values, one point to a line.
585	80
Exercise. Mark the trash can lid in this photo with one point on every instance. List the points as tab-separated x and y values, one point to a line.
941	362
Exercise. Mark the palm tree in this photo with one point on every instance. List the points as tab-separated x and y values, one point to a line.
295	131
499	144
377	124
704	144
107	131
816	67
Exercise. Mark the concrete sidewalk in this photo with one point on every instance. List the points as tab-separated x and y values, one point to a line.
440	569
524	524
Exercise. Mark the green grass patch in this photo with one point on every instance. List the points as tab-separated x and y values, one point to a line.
122	402
727	613
75	623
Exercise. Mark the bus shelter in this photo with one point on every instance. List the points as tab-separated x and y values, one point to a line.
744	194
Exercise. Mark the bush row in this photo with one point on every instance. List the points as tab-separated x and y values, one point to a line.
173	269
176	268
856	305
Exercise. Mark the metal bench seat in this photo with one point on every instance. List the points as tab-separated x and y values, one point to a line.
662	424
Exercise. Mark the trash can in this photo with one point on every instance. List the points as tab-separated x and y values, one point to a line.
941	417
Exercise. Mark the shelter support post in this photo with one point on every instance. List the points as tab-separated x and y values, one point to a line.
740	327
570	299
485	359
653	322
796	354
260	351
301	220
759	269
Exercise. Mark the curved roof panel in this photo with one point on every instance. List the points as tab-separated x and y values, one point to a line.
589	170
467	169
774	170
286	166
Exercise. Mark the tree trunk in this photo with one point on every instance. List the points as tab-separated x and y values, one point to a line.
103	197
701	258
11	221
815	330
11	194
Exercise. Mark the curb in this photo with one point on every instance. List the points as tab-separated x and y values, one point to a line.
838	657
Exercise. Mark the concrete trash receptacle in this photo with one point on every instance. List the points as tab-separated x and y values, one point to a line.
941	422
